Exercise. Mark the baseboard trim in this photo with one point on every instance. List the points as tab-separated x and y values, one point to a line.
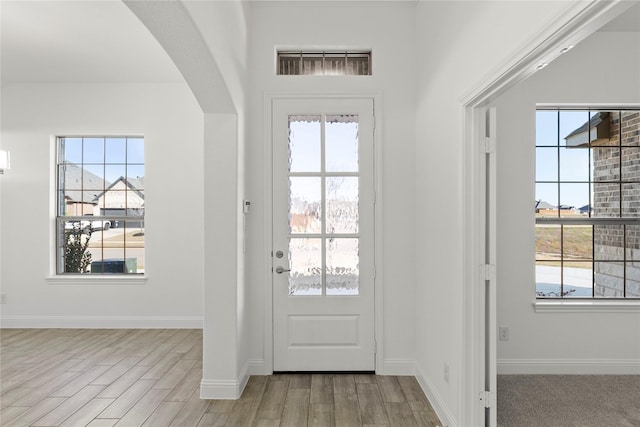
569	366
221	389
256	367
400	367
438	404
101	322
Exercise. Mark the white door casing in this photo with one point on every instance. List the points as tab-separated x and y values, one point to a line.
323	234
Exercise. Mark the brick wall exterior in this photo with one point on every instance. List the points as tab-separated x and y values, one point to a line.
609	240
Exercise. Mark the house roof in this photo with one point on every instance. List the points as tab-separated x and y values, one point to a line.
596	128
543	205
134	184
73	179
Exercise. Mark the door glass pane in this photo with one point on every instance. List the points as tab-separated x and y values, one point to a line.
342	267
305	261
305	205
548	278
341	143
342	204
304	143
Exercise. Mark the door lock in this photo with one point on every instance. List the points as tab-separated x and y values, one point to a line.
280	269
279	254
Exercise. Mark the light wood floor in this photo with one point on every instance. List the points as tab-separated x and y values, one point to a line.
101	378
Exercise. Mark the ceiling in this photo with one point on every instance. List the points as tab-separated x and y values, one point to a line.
78	41
101	41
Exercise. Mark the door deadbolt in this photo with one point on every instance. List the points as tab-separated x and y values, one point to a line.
279	254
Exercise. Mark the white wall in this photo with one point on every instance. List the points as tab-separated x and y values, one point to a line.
389	32
459	45
171	122
605	68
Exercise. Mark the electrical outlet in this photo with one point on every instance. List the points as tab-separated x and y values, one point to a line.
3	298
446	373
503	333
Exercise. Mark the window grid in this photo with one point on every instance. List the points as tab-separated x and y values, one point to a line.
75	229
625	217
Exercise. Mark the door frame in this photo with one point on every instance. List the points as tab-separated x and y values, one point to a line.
269	98
578	22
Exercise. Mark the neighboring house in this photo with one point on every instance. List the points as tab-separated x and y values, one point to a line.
614	140
545	209
80	197
125	197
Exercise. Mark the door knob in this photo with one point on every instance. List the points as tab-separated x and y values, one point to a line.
280	269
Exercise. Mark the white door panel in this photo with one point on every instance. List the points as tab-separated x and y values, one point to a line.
323	196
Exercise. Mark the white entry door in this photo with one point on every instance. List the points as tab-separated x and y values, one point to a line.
323	241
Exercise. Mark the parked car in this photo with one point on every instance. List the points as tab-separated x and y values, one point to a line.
88	226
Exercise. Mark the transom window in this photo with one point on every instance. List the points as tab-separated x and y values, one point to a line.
324	63
587	203
100	205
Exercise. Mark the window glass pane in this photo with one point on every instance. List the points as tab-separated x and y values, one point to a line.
305	205
546	204
608	242
71	150
546	164
574	164
342	269
548	242
76	251
113	173
311	64
605	164
573	128
342	204
548	278
135	203
135	172
577	277
134	245
605	128
631	200
609	279
116	150
630	127
135	150
630	164
577	242
304	143
546	128
606	200
93	150
633	261
341	143
305	262
572	198
93	177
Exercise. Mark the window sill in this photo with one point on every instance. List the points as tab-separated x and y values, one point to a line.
582	306
97	280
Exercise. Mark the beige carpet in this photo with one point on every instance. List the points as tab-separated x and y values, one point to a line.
568	400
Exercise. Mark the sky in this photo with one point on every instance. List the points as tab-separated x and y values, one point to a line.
551	129
108	158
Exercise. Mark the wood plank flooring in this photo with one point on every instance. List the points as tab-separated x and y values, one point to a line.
105	378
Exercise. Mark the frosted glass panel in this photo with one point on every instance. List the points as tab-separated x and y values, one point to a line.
342	204
342	267
304	143
341	143
305	258
305	205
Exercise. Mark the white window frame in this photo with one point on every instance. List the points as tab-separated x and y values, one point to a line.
57	275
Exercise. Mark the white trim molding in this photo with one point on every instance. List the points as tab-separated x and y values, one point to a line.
257	367
401	367
222	389
583	306
569	366
102	322
88	280
437	402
